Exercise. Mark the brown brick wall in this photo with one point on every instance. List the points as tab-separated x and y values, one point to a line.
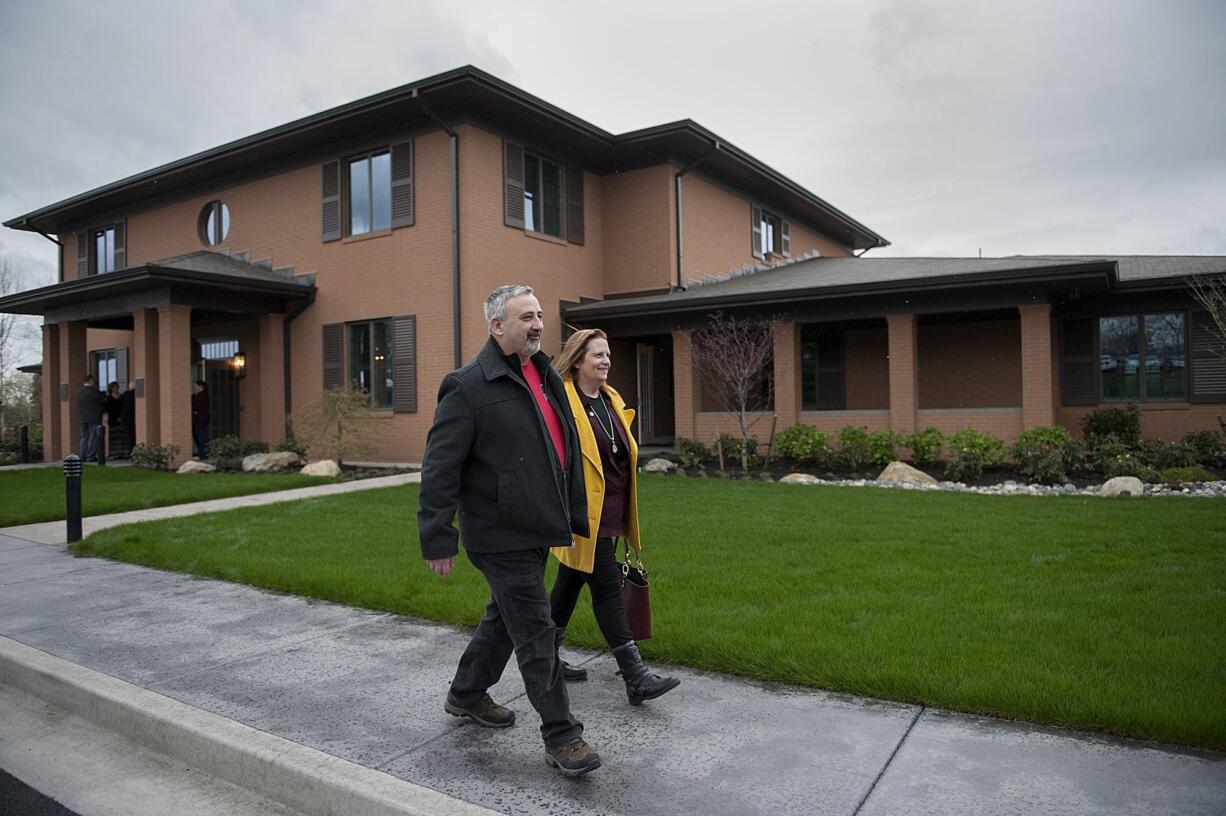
1166	422
976	364
866	369
639	230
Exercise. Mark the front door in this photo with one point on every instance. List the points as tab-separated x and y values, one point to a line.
223	398
646	407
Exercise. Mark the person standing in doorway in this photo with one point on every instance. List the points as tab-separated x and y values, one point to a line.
200	418
91	404
116	447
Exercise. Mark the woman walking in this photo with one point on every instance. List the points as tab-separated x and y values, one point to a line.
610	457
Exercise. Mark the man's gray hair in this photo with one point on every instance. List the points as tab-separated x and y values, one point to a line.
496	303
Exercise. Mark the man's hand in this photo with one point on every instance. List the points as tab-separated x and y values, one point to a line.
442	566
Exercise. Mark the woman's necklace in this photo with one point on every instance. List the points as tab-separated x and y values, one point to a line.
601	420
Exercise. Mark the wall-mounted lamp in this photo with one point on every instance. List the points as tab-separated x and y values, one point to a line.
238	365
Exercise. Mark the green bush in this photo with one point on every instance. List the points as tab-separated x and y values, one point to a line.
1206	446
292	446
1114	458
154	457
1162	455
1039	454
1181	475
925	445
854	452
883	447
1122	423
691	452
970	451
731	447
802	443
227	452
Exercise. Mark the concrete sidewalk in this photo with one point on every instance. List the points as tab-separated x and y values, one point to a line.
366	690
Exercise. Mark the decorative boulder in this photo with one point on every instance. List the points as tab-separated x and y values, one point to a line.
659	466
324	467
268	462
195	466
903	473
799	478
1122	486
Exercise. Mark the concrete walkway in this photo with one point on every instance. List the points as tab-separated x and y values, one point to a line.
252	674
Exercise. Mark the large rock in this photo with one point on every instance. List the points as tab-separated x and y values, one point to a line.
799	478
268	462
324	467
903	473
659	466
1122	486
195	466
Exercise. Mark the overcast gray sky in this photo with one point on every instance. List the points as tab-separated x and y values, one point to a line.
948	126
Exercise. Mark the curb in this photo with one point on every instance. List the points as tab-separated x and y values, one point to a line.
303	778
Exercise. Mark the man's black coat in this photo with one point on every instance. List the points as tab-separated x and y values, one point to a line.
489	458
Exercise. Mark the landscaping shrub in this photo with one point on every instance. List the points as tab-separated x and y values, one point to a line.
970	451
154	457
883	446
853	452
730	446
1040	454
1182	475
691	452
292	446
802	443
1114	458
1162	455
1206	446
925	445
227	452
1122	423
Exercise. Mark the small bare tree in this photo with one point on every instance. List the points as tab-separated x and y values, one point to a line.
733	356
10	283
1210	292
338	425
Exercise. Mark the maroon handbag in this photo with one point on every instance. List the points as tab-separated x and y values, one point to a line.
636	597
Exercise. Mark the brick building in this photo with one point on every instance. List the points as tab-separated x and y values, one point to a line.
357	245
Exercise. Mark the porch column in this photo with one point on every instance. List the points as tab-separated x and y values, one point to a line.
271	364
904	381
684	390
53	429
175	378
787	373
144	374
74	365
1037	374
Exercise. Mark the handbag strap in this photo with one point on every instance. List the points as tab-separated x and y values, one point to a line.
626	550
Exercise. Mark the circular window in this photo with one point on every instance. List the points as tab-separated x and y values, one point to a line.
214	223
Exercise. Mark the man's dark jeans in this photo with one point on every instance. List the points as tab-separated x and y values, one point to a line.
200	438
90	434
517	619
605	581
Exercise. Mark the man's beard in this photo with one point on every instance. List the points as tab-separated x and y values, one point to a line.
531	346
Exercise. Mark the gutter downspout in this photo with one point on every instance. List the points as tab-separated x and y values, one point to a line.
680	234
286	369
59	260
457	345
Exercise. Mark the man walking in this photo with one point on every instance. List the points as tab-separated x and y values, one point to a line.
503	453
91	404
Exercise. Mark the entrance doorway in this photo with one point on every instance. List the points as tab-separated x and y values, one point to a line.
223	398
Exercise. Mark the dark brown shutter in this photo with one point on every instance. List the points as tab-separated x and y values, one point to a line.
1079	364
330	201
1208	347
755	234
121	368
574	204
404	364
334	355
82	254
402	184
513	184
121	245
785	230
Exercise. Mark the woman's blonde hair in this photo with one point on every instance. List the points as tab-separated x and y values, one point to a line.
573	351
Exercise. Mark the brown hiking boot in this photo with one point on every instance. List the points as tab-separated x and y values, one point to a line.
573	758
484	712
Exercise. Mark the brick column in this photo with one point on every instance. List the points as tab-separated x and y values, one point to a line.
53	428
175	378
271	392
787	373
904	387
1037	377
685	391
74	365
143	371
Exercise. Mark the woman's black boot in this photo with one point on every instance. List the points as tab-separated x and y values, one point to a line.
571	674
641	684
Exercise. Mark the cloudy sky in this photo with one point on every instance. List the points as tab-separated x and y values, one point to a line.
948	126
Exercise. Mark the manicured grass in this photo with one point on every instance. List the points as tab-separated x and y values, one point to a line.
37	494
1105	615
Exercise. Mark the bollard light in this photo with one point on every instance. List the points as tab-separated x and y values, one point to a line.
72	493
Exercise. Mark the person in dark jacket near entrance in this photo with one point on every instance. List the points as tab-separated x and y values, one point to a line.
503	455
200	418
91	405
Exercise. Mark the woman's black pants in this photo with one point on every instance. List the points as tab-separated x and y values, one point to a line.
605	583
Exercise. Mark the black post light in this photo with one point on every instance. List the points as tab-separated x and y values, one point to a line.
72	492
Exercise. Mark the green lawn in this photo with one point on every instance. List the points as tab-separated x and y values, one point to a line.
37	494
1104	615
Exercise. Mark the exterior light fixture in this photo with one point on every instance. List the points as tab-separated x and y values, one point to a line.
238	365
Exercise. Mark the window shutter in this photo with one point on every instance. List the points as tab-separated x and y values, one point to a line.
513	184
574	204
1208	349
402	184
121	368
755	235
1079	363
121	245
334	355
785	230
330	201
82	254
404	364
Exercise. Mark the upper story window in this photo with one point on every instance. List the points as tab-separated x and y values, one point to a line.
214	223
367	193
769	234
542	195
370	193
102	249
